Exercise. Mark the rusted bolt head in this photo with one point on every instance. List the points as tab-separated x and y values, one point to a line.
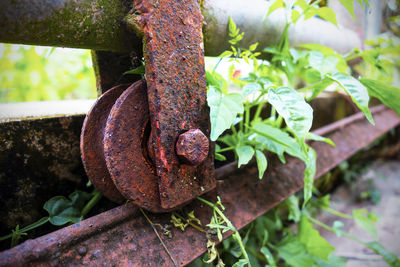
192	147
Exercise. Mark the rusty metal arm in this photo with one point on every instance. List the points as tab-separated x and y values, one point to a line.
102	25
121	236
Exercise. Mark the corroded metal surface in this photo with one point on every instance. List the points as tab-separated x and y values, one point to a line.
121	236
92	149
125	148
192	147
175	75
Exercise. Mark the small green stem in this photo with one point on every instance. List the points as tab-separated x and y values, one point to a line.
241	123
28	228
258	111
247	117
216	65
228	224
353	57
279	121
257	255
337	213
92	202
234	131
331	229
159	237
225	149
273	112
304	89
190	223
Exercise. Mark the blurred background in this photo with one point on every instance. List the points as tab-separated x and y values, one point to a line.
38	73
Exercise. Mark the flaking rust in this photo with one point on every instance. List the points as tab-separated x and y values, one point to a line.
175	75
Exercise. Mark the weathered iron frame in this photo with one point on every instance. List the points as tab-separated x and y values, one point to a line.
120	228
122	236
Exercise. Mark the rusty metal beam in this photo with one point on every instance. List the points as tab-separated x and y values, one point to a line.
101	25
121	236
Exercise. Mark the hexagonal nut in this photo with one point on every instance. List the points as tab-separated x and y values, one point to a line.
192	147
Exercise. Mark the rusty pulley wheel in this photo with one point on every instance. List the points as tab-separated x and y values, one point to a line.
125	148
92	149
114	147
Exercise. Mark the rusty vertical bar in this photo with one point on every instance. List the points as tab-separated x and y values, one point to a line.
177	94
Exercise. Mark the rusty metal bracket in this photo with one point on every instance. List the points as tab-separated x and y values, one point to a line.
177	93
157	154
118	237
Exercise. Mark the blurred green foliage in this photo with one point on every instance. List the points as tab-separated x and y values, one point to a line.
36	73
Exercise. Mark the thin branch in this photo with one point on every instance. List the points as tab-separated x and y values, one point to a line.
159	237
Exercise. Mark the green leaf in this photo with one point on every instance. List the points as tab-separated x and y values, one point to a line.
302	4
297	113
245	153
226	54
281	138
311	12
232	27
314	137
223	110
294	253
312	75
253	46
268	255
315	244
272	146
388	95
324	202
295	15
333	261
327	14
138	70
297	54
318	88
240	263
292	203
309	174
336	227
356	90
323	63
250	88
220	157
277	4
262	163
389	257
216	80
318	47
366	220
349	5
62	210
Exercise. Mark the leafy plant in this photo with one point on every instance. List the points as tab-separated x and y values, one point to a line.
61	211
270	113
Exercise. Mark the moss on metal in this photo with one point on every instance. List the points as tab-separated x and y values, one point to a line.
72	23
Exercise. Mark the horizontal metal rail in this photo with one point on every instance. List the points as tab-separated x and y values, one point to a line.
104	25
122	236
